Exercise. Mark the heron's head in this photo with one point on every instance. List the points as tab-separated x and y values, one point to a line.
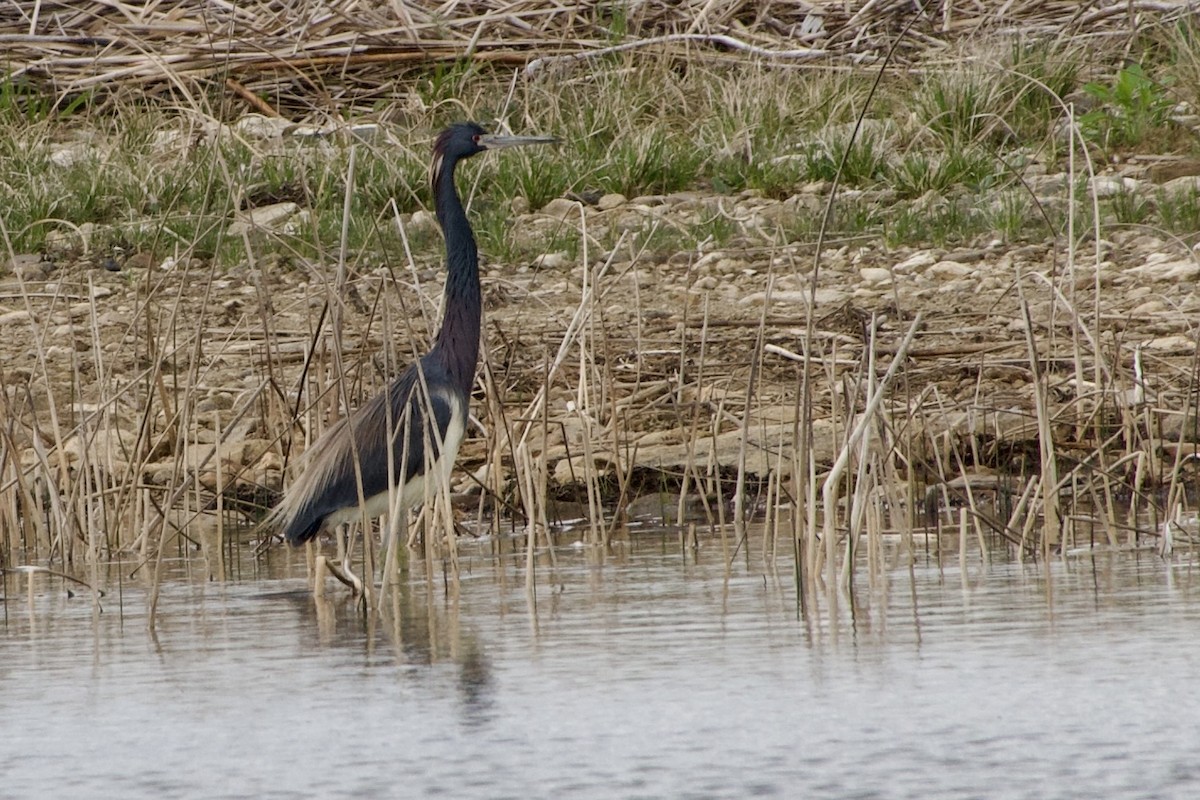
465	139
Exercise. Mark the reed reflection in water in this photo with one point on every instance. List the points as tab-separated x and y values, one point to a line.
652	670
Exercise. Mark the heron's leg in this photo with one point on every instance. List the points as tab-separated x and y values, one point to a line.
342	570
343	573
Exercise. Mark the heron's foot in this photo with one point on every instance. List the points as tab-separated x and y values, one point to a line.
340	571
346	575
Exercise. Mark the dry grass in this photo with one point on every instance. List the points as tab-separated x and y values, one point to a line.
838	426
310	55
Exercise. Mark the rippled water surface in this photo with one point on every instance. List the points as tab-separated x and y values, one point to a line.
647	671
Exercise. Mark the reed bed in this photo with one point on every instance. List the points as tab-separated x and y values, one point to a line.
669	348
332	56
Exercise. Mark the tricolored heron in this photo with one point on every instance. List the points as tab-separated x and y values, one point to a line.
412	430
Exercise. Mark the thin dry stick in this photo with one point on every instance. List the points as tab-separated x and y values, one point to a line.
1049	471
739	497
538	64
828	497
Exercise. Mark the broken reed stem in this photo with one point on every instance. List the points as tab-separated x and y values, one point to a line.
829	498
739	497
1049	469
863	456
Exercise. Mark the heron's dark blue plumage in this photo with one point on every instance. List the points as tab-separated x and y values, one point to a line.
422	416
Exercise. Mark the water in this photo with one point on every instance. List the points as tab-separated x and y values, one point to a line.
643	673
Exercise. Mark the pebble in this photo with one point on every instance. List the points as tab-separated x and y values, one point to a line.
267	217
1112	185
1156	269
1187	184
1176	342
916	262
422	220
610	201
948	270
876	275
552	261
561	208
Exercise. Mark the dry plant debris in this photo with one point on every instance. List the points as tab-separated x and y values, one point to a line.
301	53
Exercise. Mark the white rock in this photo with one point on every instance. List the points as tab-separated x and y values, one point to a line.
560	208
916	262
260	126
1111	185
949	270
1156	269
1176	343
875	275
267	217
552	260
1184	185
422	221
610	201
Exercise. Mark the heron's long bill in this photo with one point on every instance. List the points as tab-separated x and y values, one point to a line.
495	141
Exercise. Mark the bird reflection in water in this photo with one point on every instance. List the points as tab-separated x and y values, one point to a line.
413	629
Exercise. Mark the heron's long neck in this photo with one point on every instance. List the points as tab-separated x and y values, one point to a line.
457	342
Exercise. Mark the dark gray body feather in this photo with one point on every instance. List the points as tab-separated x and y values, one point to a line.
327	486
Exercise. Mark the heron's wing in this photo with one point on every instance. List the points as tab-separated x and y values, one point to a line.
415	418
399	422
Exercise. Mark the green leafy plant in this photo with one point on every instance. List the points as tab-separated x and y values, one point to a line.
1131	108
1179	211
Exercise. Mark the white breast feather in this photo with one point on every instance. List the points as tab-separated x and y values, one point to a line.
413	492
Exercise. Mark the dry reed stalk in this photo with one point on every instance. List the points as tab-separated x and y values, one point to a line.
962	547
1051	511
691	475
286	50
530	419
860	429
739	507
